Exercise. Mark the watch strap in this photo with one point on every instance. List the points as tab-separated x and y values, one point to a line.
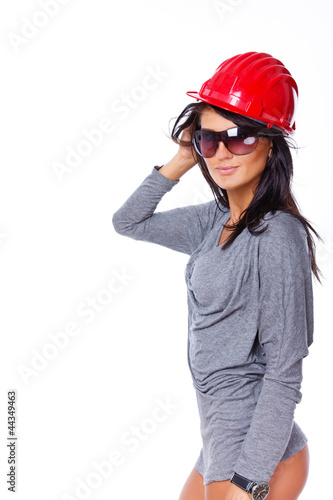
242	482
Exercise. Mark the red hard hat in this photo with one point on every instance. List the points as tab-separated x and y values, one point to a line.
256	85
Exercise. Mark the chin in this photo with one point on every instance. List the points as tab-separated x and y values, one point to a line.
225	184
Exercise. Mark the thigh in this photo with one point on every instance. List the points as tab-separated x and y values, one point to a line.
289	477
286	483
193	488
217	490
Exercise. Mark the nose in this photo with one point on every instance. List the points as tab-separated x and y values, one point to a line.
222	151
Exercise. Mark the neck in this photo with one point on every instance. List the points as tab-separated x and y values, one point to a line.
238	202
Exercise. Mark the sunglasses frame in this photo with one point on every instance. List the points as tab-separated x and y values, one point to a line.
223	136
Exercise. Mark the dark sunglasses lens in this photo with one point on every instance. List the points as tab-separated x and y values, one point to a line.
242	142
206	142
238	141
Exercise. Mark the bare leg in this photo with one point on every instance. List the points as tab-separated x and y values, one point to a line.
193	488
287	481
290	476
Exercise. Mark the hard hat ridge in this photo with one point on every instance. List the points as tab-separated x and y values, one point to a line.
256	85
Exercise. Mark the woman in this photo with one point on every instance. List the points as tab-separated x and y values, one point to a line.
249	278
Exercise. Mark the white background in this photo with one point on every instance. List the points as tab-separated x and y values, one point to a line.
64	73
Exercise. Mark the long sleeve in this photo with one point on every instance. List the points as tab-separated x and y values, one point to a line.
181	229
285	332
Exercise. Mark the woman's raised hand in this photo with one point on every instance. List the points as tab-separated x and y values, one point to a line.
235	493
181	162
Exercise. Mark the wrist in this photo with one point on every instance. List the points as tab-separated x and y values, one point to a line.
236	493
257	490
176	167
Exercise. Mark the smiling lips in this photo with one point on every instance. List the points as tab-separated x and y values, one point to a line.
226	170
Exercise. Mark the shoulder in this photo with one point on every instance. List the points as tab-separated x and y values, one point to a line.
284	227
210	211
285	239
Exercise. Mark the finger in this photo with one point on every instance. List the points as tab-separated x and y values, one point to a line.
186	136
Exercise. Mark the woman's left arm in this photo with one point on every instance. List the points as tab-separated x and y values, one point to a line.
285	332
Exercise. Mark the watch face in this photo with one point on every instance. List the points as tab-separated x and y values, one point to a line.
260	491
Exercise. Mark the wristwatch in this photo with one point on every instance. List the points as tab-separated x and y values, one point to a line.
258	489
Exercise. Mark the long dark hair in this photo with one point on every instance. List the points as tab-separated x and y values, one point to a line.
274	188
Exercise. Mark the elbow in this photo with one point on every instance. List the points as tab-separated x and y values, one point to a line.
286	391
119	225
123	226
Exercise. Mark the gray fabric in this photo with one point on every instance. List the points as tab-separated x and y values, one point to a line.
250	323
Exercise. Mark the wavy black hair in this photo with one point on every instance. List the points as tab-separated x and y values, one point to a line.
273	191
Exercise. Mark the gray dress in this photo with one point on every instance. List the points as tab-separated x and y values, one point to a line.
250	323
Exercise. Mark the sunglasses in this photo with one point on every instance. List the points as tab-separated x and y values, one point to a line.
237	140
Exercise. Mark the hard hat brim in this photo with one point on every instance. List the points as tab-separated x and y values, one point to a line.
226	106
234	109
195	95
